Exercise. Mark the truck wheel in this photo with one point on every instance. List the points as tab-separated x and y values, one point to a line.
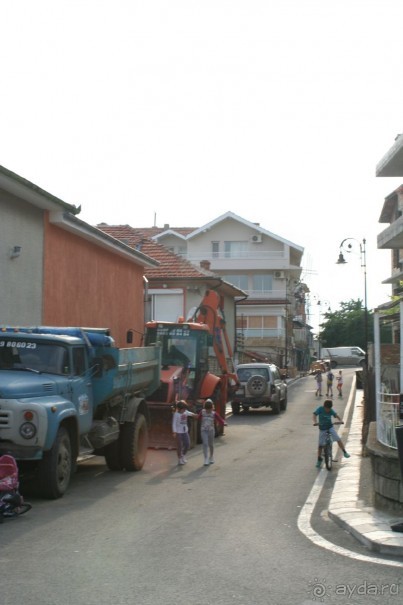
56	467
133	442
112	456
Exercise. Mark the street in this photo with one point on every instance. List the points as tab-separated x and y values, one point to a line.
218	535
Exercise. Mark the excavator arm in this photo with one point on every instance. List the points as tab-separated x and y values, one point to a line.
211	312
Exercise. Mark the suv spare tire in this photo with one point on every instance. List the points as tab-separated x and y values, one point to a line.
257	385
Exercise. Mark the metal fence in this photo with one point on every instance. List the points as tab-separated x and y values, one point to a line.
388	418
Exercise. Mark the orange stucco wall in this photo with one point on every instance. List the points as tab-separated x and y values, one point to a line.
86	285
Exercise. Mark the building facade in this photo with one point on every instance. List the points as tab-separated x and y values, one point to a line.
271	319
58	270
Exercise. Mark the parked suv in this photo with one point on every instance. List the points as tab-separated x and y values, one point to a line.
260	386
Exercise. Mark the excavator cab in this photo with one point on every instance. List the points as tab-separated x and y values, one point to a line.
184	365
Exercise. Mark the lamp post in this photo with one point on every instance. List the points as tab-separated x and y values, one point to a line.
363	259
319	303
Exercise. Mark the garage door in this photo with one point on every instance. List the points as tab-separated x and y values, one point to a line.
167	306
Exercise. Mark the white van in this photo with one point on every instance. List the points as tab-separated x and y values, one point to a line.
344	356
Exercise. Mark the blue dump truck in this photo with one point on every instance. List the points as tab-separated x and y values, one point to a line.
68	392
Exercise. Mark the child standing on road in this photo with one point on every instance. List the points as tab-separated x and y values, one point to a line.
318	378
208	417
180	430
329	384
323	416
339	379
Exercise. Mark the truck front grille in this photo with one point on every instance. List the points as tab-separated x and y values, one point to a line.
4	419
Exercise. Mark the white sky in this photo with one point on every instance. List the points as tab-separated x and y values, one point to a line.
278	110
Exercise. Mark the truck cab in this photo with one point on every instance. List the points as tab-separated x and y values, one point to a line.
69	390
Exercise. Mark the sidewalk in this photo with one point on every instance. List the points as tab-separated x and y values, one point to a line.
350	502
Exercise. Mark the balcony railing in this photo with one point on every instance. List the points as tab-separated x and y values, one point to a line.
270	294
388	418
257	252
264	333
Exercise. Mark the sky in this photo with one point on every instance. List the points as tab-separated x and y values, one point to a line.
177	111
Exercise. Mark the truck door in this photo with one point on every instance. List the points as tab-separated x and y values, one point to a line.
81	385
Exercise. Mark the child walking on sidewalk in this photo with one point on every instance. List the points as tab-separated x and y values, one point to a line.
208	417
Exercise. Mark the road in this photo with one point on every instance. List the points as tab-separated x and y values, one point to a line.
226	534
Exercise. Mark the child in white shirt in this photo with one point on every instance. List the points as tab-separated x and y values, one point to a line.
180	430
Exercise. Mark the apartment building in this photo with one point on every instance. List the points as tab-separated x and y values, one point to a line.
271	319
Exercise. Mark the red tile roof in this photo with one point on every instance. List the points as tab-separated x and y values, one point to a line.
171	265
152	231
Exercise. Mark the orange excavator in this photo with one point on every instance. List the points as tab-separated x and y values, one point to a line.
185	370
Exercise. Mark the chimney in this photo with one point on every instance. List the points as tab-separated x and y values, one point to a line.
166	226
205	264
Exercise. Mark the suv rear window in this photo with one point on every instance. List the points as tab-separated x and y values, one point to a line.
245	373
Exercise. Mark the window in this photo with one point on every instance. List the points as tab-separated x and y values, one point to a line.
241	322
235	249
215	248
257	321
78	361
262	282
269	321
240	281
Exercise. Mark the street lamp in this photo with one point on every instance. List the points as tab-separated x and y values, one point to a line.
319	303
363	259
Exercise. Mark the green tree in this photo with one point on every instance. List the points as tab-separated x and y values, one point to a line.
346	326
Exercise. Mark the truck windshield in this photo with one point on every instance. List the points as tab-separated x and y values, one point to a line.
38	356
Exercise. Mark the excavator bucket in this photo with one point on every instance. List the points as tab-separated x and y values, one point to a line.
160	432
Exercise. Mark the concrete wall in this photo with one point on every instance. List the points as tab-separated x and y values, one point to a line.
86	285
21	224
386	473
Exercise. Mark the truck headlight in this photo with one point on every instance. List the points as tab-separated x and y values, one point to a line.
27	430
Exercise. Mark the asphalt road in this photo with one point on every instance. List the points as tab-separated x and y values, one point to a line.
218	535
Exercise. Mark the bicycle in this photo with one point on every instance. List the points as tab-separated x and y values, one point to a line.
328	446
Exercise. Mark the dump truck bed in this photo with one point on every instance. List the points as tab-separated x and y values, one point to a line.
135	370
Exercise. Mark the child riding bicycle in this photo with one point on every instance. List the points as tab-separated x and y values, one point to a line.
322	416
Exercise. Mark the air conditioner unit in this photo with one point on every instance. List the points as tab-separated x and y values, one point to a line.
279	274
256	239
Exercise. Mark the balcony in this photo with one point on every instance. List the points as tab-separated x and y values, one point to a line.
266	294
392	162
263	333
392	236
246	259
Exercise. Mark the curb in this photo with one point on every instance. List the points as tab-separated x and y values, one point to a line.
372	527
